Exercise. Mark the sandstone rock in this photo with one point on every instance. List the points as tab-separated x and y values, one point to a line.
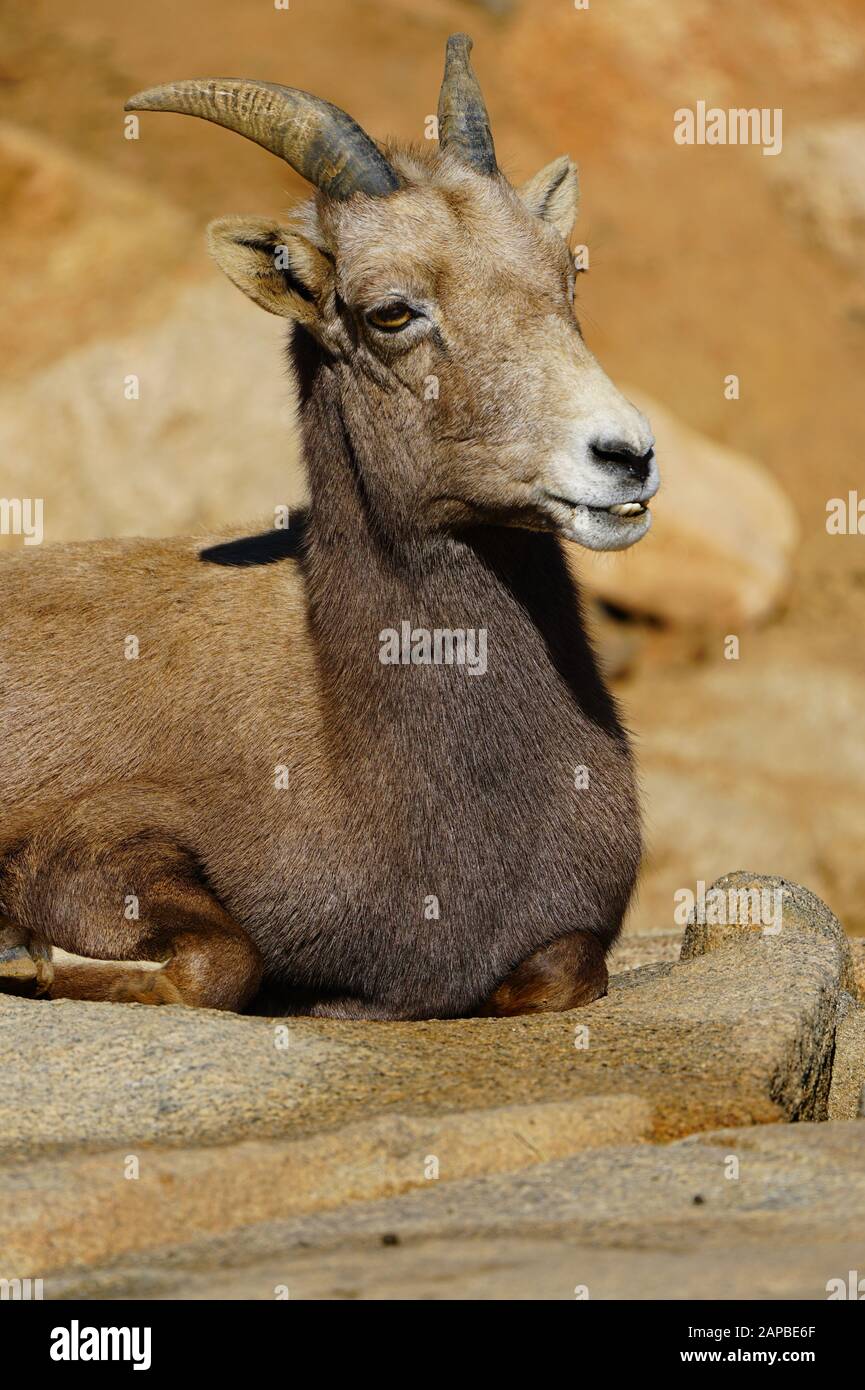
755	761
821	178
208	441
95	1211
748	906
723	533
848	1067
770	1212
631	951
756	911
79	248
248	1120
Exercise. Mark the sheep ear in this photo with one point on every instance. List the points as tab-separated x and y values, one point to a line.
277	268
554	194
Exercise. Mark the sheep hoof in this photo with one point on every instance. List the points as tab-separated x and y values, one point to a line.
22	970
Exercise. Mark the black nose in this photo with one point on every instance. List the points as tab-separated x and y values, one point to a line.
621	455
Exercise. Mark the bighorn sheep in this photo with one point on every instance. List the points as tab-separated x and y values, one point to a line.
287	786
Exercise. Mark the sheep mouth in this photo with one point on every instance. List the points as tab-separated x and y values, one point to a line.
622	510
617	526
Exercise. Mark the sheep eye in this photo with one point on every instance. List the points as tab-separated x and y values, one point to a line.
391	317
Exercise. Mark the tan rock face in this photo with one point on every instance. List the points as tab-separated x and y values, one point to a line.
207	441
96	1211
244	1121
847	1093
632	951
756	761
70	239
745	909
822	183
775	1211
721	545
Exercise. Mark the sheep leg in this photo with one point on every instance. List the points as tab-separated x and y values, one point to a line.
133	910
192	953
569	972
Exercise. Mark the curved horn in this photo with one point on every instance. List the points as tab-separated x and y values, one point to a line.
464	125
317	139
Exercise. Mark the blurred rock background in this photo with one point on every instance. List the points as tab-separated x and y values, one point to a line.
705	262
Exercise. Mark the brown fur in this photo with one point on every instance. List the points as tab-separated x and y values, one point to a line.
154	778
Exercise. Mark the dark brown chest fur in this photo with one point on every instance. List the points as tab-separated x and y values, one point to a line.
470	816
